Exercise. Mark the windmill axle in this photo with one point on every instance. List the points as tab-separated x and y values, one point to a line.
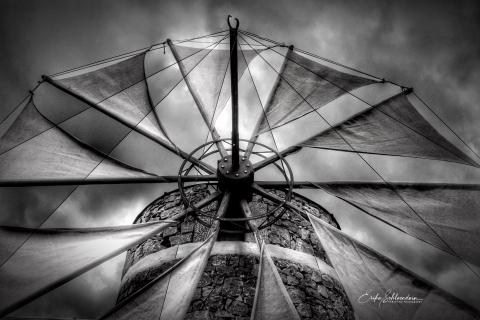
237	181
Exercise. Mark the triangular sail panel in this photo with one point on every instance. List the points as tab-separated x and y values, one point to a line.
272	301
392	127
305	85
446	216
51	257
168	297
209	76
364	273
121	89
33	148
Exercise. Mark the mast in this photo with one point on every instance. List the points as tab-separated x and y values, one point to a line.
234	88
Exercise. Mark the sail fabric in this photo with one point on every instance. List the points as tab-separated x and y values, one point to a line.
33	148
272	301
208	75
364	273
305	85
392	127
50	257
451	212
169	296
121	89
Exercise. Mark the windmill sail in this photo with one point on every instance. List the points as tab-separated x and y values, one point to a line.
169	295
58	255
33	148
446	216
401	294
271	300
294	279
207	74
121	90
303	86
392	127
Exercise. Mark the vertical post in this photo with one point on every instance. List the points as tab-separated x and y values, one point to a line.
234	89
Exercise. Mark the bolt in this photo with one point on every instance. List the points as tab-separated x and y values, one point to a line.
222	166
225	159
228	172
236	174
248	165
245	171
243	158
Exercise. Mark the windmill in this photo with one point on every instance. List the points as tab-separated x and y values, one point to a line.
225	231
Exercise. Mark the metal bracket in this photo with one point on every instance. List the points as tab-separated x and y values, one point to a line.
228	21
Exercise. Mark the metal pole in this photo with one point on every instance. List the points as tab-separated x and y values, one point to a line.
234	88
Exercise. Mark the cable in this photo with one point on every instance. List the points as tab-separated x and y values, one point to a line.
261	104
358	98
122	55
381	177
323	58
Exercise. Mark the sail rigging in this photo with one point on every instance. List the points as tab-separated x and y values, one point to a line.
36	151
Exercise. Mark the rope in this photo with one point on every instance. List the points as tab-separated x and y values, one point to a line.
261	104
123	55
380	176
216	103
321	58
355	96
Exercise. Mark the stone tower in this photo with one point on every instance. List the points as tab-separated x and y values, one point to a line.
228	286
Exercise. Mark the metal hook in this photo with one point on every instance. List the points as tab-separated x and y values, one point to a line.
228	21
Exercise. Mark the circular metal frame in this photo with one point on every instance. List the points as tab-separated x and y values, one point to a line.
197	211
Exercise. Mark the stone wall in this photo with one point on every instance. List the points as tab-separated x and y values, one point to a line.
226	289
140	279
315	295
290	231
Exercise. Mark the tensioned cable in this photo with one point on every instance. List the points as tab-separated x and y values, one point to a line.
318	57
381	177
360	99
261	104
216	102
181	79
158	71
383	80
122	55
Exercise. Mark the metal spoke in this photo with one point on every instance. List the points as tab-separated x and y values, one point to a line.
63	182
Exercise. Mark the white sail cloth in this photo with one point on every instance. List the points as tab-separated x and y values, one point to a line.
379	288
33	148
272	301
446	216
168	297
51	257
303	86
120	89
392	127
208	75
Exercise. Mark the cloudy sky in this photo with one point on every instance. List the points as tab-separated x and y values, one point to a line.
433	46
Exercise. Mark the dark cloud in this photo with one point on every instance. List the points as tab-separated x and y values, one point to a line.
431	45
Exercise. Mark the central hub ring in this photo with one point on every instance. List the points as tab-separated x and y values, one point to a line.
237	181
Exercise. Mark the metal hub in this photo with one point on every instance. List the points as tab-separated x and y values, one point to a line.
237	181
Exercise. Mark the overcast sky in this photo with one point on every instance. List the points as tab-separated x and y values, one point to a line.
433	46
